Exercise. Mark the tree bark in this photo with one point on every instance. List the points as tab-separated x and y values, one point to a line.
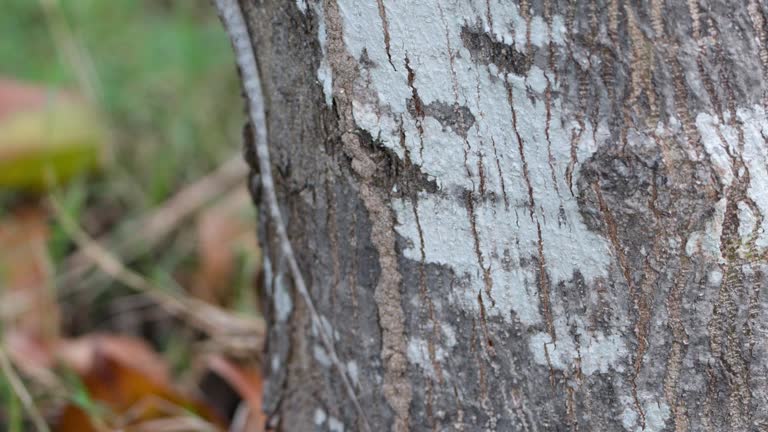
534	215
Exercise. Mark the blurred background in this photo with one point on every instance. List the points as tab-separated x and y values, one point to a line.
128	256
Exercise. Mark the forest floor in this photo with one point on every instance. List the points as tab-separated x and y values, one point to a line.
127	294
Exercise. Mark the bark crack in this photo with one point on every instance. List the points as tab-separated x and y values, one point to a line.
385	28
613	235
521	150
418	104
500	173
487	279
333	235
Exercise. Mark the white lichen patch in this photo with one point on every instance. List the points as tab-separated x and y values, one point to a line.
755	128
418	354
539	32
302	5
507	233
715	278
324	72
707	241
656	415
596	352
320	416
719	140
335	425
525	213
656	412
319	353
418	351
746	220
282	299
449	335
353	372
722	144
629	416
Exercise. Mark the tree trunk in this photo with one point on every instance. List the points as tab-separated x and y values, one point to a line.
544	215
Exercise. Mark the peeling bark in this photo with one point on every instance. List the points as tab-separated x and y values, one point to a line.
533	215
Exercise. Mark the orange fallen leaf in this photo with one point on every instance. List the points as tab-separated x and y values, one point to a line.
248	382
125	376
82	354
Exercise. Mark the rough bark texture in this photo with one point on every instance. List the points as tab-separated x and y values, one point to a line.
533	215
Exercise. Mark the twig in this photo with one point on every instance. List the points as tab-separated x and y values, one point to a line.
174	424
174	417
240	420
22	392
240	332
72	51
155	226
234	22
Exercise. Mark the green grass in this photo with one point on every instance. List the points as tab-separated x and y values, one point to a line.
168	88
12	406
166	78
169	93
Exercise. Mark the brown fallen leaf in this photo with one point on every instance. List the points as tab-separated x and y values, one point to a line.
127	378
81	355
248	382
223	230
28	303
31	355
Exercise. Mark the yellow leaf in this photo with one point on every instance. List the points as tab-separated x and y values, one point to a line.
49	145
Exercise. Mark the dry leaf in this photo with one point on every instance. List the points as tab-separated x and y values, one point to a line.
31	355
46	138
81	354
248	382
224	229
16	96
131	381
26	276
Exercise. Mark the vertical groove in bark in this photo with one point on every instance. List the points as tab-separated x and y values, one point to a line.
396	387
